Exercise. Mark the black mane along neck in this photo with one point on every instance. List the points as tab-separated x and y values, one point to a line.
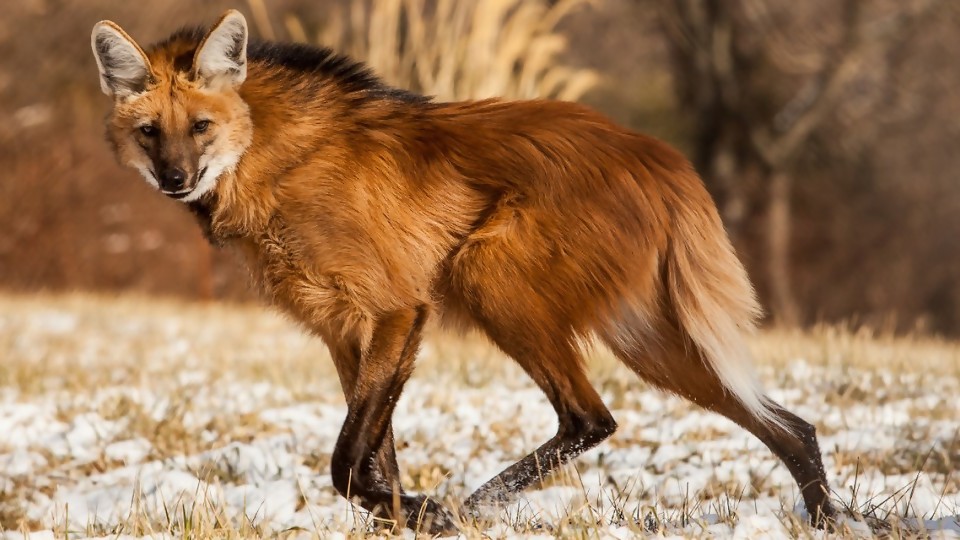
353	76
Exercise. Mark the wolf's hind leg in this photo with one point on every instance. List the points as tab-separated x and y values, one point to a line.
584	421
675	365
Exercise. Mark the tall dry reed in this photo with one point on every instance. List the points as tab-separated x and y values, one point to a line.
454	49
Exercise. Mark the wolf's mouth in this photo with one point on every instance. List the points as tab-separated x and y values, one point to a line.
184	192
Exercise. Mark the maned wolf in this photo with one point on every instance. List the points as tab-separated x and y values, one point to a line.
363	210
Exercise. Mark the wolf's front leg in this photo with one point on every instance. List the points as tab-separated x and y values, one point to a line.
356	466
346	357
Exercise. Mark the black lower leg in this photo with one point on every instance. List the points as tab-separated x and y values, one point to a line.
575	436
800	452
386	475
386	466
360	452
346	358
556	366
357	478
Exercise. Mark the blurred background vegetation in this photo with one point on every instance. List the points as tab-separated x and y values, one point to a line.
828	131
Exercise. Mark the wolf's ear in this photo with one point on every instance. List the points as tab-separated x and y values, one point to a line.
221	58
124	68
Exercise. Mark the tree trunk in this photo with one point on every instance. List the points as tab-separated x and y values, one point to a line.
724	174
783	303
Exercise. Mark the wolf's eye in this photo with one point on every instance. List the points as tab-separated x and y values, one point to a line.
149	131
201	126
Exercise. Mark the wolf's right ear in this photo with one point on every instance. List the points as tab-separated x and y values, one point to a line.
124	68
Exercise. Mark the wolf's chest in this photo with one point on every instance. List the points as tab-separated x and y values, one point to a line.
307	287
280	269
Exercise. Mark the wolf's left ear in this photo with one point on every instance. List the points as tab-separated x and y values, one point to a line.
124	68
221	58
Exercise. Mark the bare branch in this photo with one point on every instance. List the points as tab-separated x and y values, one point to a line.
721	47
807	110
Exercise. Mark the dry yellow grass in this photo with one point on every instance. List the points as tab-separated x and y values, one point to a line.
199	386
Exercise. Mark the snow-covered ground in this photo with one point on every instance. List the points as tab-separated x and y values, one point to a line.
146	418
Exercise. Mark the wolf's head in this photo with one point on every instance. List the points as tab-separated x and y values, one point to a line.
177	117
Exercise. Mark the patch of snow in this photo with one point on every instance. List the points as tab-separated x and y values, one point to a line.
130	451
692	472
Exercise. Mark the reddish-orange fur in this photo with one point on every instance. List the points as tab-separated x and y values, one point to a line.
537	222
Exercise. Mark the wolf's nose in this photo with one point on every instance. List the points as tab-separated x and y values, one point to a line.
172	179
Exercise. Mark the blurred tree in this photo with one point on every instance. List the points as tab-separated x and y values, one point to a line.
759	95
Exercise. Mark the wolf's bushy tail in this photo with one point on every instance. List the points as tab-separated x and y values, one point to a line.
715	304
692	341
